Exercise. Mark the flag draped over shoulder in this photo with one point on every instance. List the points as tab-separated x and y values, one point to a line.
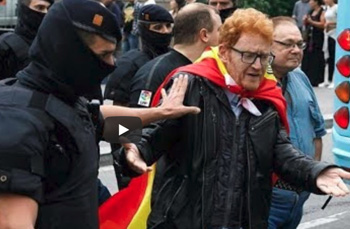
211	67
129	208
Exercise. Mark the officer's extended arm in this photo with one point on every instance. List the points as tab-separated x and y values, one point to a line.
171	107
17	211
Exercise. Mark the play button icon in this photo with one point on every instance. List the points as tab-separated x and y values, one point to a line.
122	129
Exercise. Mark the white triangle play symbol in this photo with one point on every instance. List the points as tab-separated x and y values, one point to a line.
122	129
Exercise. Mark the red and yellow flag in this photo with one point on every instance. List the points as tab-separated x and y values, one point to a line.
211	67
129	208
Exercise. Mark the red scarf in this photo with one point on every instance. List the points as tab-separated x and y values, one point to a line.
211	68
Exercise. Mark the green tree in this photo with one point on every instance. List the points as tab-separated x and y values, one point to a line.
270	7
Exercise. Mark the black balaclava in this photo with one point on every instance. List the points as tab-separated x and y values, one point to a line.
225	13
61	63
152	42
28	22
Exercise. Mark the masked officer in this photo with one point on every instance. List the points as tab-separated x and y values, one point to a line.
14	46
48	151
225	7
155	28
196	27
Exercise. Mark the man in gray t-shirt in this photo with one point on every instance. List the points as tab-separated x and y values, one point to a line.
301	8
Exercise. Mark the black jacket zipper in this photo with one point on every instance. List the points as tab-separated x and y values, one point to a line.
230	191
266	118
248	186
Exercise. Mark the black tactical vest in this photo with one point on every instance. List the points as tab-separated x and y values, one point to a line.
68	167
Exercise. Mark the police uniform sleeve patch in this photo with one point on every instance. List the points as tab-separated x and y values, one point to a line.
145	98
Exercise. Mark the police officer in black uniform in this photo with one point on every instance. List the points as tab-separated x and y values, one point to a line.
48	151
196	27
14	46
155	29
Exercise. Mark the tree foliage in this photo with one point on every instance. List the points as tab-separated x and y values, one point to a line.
270	7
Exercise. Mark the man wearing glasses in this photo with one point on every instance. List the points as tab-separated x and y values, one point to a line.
304	116
218	165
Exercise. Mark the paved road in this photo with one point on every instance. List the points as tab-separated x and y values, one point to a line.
337	214
325	100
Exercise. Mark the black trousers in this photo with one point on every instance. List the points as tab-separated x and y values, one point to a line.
331	59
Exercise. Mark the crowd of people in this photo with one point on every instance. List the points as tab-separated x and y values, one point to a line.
225	96
317	20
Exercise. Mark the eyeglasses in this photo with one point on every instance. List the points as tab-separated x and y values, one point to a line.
301	45
250	57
